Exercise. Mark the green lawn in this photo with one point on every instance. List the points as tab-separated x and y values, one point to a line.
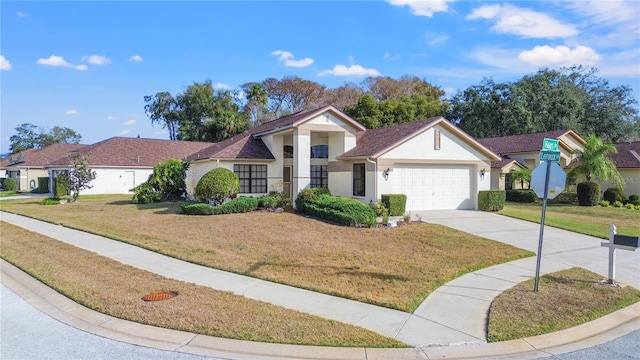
589	220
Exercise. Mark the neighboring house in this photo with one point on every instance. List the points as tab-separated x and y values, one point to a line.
29	165
123	163
518	151
433	162
627	161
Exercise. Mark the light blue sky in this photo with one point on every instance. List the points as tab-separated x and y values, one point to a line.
87	65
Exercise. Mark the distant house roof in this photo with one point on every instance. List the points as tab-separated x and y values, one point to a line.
375	142
522	143
135	152
628	155
40	158
248	144
504	162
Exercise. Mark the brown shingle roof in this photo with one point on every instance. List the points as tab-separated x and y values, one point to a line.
134	152
373	141
520	143
40	158
628	155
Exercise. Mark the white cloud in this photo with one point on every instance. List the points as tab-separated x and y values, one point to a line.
222	86
97	59
287	57
498	58
71	112
4	63
22	15
54	60
511	19
422	7
560	55
124	132
129	122
111	117
435	38
352	70
388	56
136	58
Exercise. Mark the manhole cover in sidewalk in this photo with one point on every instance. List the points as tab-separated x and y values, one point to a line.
160	296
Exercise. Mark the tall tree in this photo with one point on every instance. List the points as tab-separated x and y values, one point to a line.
28	136
257	101
594	162
162	108
226	120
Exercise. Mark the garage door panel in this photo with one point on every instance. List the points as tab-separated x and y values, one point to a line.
434	187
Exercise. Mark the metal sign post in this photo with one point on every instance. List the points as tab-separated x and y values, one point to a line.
542	218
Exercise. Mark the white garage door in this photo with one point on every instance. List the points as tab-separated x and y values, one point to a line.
434	187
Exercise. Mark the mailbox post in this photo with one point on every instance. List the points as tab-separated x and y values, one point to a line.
623	242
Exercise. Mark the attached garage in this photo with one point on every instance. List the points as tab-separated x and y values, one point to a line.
435	187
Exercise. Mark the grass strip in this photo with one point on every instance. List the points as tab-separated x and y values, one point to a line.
564	299
117	290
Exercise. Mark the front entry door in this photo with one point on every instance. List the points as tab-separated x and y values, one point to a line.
286	180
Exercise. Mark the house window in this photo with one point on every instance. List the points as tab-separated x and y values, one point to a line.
508	182
320	152
358	179
253	178
319	176
436	139
287	151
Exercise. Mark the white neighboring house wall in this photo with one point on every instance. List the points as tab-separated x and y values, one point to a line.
112	180
631	177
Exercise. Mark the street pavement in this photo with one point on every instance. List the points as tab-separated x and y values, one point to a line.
454	314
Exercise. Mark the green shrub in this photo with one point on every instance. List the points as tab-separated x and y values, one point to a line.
9	184
630	206
564	198
385	215
51	201
604	203
617	204
283	199
396	203
379	208
307	195
588	193
60	188
145	194
197	209
43	185
613	194
267	202
634	197
242	204
491	200
521	195
637	207
218	185
341	210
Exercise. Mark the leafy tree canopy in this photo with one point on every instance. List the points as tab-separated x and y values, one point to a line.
29	136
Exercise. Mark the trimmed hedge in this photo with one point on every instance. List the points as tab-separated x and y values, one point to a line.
588	193
564	198
9	184
343	211
613	194
491	200
396	203
43	185
242	204
59	190
267	202
218	185
521	196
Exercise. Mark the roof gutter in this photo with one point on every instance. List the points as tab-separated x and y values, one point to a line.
278	129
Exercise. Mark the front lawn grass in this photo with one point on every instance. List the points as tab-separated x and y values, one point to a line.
589	220
392	267
7	193
115	289
564	299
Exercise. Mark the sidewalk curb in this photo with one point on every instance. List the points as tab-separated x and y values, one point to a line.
66	311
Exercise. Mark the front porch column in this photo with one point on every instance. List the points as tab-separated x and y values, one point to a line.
301	161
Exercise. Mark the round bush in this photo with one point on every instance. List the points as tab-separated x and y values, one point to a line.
634	198
309	195
588	193
9	184
613	194
218	185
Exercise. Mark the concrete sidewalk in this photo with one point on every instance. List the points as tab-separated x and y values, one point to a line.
454	314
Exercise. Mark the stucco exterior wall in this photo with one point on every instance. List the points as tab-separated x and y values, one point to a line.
117	180
631	181
422	147
27	178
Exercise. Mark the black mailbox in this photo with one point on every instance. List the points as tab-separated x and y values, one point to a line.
626	240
